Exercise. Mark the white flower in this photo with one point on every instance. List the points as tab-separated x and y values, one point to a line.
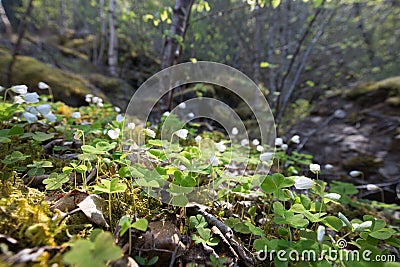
255	142
182	105
43	85
235	131
266	156
76	115
244	142
221	147
295	139
284	147
278	141
149	132
372	187
100	104
18	100
191	115
50	117
362	226
119	118
96	99
31	118
182	133
2	88
131	125
88	96
302	182
328	166
114	134
355	173
260	148
198	139
333	196
20	89
320	233
214	160
166	113
44	109
31	97
33	110
315	167
117	109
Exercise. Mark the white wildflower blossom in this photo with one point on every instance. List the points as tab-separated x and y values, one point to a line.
278	141
244	142
255	142
333	196
235	131
320	233
221	147
166	113
2	88
43	85
284	147
114	134
266	156
355	173
44	109
315	167
372	187
131	125
76	115
295	139
120	118
18	99
182	133
328	166
149	132
100	104
191	115
31	118
20	89
95	99
50	117
31	98
260	148
198	139
214	160
182	105
302	182
117	109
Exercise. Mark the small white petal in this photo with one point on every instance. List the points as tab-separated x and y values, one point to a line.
320	233
214	160
131	125
333	196
44	109
244	142
328	166
95	99
117	109
372	187
266	156
150	133
302	182
198	139
31	97
20	89
315	167
88	96
191	115
295	139
221	147
114	134
18	100
76	115
43	85
2	88
355	173
284	147
166	113
119	118
278	141
50	117
255	142
182	133
235	131
100	105
31	118
260	148
182	105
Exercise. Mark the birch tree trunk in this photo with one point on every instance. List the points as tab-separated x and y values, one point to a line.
113	40
5	22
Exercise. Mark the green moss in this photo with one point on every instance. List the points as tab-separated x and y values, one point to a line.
66	86
394	101
367	164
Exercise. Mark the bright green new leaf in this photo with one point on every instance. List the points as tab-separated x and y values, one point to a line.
140	224
55	181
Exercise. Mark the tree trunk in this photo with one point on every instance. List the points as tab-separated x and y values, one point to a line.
113	41
21	32
62	27
172	48
5	21
103	29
